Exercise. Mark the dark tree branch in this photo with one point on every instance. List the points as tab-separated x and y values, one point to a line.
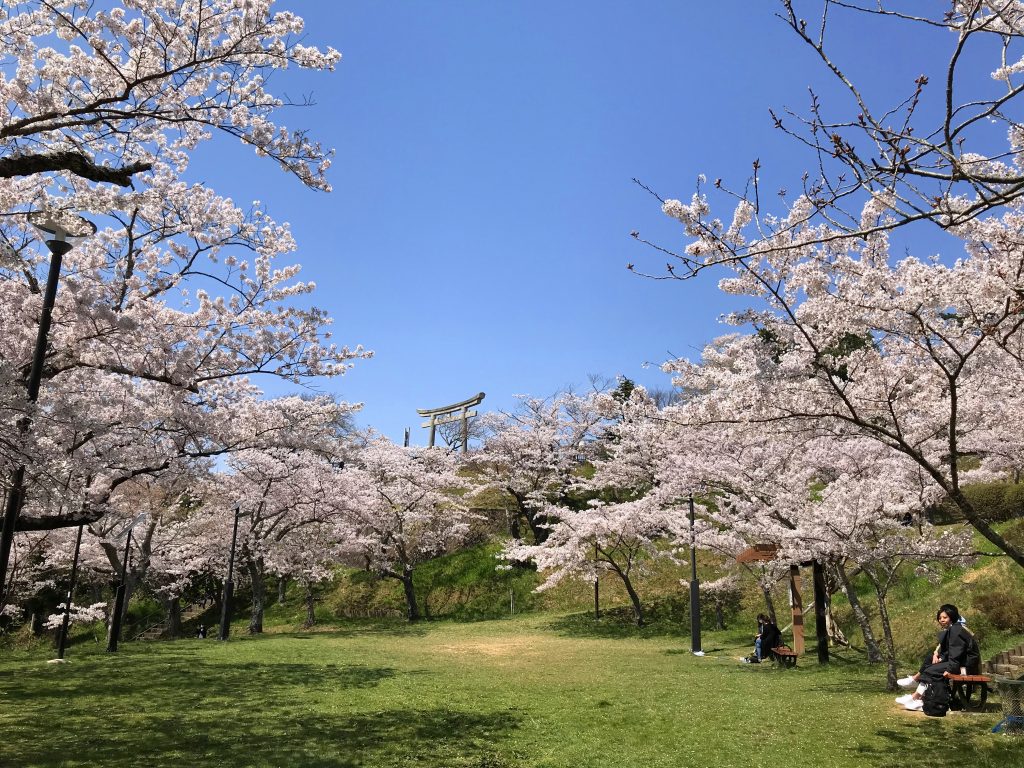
73	162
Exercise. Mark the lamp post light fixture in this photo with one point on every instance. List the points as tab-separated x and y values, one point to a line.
60	233
694	590
229	587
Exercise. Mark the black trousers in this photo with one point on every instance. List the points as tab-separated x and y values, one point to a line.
932	673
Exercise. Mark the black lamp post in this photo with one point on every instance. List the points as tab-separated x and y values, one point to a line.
63	638
60	235
694	590
229	587
122	586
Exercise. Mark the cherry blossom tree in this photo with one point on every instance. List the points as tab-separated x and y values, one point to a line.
287	513
624	525
108	93
723	593
403	506
534	454
849	504
602	539
843	339
165	313
911	355
940	147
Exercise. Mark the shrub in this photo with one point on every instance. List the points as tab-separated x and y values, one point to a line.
1003	608
993	501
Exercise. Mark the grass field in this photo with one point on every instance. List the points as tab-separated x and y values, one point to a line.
534	692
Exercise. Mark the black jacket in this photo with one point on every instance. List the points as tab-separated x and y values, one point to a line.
770	638
958	648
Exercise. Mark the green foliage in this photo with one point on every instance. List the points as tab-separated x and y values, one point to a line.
624	391
995	502
832	357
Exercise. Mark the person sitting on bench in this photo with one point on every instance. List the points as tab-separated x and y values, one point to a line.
768	636
957	650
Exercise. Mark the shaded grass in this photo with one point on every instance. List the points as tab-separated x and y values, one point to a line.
497	694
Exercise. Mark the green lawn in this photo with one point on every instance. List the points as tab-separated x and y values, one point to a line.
528	693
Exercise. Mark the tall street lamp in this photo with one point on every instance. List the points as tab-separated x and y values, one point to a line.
60	233
229	586
63	638
694	590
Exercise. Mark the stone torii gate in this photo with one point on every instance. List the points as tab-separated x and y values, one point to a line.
450	414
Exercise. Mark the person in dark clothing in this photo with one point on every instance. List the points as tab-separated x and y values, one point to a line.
768	636
957	651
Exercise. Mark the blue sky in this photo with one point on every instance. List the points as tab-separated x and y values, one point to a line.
478	231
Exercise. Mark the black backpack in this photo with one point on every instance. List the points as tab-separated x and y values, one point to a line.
935	702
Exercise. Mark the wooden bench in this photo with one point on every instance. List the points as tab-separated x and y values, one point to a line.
962	688
785	655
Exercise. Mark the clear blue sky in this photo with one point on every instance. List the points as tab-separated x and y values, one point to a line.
478	231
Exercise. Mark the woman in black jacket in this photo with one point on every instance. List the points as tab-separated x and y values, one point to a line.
957	650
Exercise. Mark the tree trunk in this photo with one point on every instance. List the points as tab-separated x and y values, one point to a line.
512	518
173	607
634	598
282	586
259	595
310	615
719	616
835	634
538	523
410	594
769	604
832	585
534	520
889	646
870	644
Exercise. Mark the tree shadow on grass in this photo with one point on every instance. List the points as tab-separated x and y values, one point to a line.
281	736
174	709
955	740
618	623
166	678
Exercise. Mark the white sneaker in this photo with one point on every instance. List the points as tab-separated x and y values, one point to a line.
916	705
905	698
907	682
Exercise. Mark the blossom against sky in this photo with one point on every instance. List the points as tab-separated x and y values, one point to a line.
478	231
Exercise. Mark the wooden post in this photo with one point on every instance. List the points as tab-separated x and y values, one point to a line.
797	604
820	609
